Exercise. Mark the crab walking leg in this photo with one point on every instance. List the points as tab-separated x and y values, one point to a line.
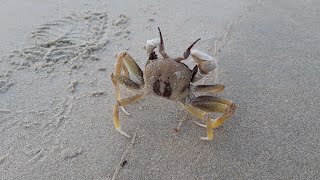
209	129
120	103
195	112
200	107
125	71
128	83
202	115
228	113
215	104
208	88
129	65
122	79
130	68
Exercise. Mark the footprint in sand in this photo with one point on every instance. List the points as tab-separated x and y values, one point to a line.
65	40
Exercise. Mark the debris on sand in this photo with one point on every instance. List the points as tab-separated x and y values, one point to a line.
71	153
72	85
3	159
123	19
5	85
151	19
97	93
121	26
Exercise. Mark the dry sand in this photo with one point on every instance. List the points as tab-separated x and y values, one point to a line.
56	97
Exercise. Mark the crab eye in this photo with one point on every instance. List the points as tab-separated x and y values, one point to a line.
153	56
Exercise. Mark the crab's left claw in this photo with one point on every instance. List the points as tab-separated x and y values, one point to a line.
152	44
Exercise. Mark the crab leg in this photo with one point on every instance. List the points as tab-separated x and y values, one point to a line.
130	68
120	103
208	88
196	112
129	65
215	104
202	115
202	105
122	79
209	129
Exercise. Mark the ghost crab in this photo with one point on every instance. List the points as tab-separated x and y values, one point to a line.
170	78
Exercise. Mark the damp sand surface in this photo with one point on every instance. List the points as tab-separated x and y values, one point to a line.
56	96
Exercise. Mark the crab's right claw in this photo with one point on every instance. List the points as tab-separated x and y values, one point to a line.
205	62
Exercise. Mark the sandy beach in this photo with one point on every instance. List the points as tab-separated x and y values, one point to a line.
56	96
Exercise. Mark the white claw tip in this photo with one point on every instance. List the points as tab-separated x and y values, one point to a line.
199	124
153	42
200	56
122	132
125	111
205	138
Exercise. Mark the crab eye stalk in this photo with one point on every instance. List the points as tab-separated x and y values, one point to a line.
161	40
189	48
161	46
187	52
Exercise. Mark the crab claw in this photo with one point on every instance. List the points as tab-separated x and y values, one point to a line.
205	62
152	44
